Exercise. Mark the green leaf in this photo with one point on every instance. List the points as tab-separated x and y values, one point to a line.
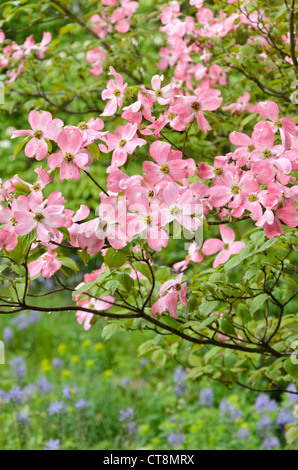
145	347
291	368
112	286
109	330
95	152
85	287
64	232
207	307
115	259
257	303
227	327
143	269
69	263
159	358
20	146
84	257
126	281
22	189
20	251
207	322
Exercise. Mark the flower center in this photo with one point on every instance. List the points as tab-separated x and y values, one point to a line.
13	221
235	190
117	92
151	193
218	171
148	219
225	246
253	197
267	153
68	157
165	169
141	127
36	186
158	93
171	116
38	217
103	225
178	287
251	148
175	211
38	134
196	106
82	126
278	123
122	143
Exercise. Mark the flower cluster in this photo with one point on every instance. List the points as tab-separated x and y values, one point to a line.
13	55
175	191
115	14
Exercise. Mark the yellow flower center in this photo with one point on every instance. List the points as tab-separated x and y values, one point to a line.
122	143
68	157
165	169
196	106
235	190
38	134
38	217
175	211
158	93
82	126
36	186
267	153
171	116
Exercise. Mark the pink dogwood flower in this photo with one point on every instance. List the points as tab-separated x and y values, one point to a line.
146	220
225	247
194	106
45	219
160	94
121	16
43	127
91	130
194	255
269	110
169	164
141	108
180	207
47	264
267	159
8	234
176	292
123	144
72	157
114	93
96	57
97	305
241	105
272	219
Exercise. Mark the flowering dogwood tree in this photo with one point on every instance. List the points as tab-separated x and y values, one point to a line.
190	142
